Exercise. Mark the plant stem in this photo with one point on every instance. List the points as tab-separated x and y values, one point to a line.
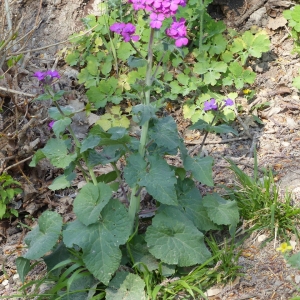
206	133
137	51
77	143
201	24
114	165
135	200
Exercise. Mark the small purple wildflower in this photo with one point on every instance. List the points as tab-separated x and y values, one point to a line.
52	74
117	27
126	30
51	124
210	105
228	102
39	75
47	76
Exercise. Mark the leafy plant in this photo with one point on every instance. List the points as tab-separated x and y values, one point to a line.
215	59
8	191
260	204
292	15
105	233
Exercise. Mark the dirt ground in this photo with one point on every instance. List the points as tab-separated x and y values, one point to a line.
47	25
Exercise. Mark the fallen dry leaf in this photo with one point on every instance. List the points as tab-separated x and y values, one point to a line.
276	23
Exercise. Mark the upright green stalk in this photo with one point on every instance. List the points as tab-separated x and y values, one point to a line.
201	24
135	198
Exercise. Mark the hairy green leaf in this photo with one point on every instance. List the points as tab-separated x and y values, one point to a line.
100	241
126	286
221	211
174	239
90	201
135	169
44	236
160	181
164	133
201	168
57	151
191	204
143	113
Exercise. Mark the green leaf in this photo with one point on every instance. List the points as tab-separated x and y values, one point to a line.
294	260
126	286
174	239
218	44
61	253
73	58
211	70
221	211
2	206
108	177
140	254
100	241
164	133
125	50
200	125
57	96
43	97
44	236
136	62
89	143
57	151
38	155
201	168
160	181
62	182
23	267
92	64
55	114
223	128
143	113
296	82
256	44
61	125
135	169
90	201
191	205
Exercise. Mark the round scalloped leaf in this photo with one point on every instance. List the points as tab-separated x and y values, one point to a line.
174	239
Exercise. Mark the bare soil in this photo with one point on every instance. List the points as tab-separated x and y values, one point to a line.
47	25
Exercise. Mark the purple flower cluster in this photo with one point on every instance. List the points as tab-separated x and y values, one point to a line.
47	75
177	31
212	104
126	30
159	11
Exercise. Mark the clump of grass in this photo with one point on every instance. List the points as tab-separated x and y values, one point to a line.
260	203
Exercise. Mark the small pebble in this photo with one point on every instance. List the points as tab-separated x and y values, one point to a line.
16	276
5	282
285	144
297	279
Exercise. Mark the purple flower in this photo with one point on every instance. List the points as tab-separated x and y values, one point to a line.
117	27
126	30
52	74
228	102
178	32
39	75
210	105
47	76
51	124
156	20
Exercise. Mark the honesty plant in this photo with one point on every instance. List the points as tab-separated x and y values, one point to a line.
105	232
